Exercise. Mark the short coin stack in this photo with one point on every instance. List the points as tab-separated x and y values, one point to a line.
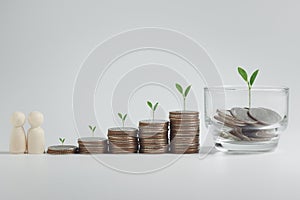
153	136
184	131
244	124
123	140
62	149
92	145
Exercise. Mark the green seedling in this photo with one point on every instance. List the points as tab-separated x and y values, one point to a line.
183	93
153	108
92	129
123	118
250	82
62	140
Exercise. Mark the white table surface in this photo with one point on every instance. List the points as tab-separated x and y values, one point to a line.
273	175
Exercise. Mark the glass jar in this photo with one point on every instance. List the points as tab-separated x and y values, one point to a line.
244	121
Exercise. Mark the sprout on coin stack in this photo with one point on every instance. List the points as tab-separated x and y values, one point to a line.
93	129
153	108
92	145
184	126
153	133
123	139
183	93
247	124
62	140
62	149
123	118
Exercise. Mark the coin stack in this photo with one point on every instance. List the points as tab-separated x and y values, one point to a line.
153	136
184	131
62	149
92	145
123	140
243	124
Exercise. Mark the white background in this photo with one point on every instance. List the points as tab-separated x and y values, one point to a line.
42	45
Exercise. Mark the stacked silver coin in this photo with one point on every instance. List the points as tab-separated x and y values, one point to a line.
92	145
184	131
153	136
123	140
243	124
62	149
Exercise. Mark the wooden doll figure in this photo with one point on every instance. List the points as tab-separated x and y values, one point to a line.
17	143
36	137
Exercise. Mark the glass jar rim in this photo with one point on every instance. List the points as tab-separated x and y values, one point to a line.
241	88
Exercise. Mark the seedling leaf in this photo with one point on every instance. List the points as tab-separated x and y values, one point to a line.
149	104
179	88
124	117
253	77
155	106
120	115
187	90
91	127
243	73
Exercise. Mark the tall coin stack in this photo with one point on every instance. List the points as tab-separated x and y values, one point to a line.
123	140
184	131
92	145
153	136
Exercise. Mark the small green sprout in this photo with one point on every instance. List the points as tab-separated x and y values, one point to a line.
153	108
92	129
183	93
123	118
62	140
250	82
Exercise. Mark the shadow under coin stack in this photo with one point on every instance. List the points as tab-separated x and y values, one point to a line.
184	132
123	140
153	136
92	145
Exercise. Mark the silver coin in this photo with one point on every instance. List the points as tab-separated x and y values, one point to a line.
183	114
229	122
238	133
62	148
242	115
224	113
265	116
260	134
227	135
92	140
154	123
123	129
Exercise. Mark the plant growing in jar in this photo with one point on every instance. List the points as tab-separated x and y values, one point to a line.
249	82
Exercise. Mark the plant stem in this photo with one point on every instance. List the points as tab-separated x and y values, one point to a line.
249	94
184	104
152	115
123	123
249	97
